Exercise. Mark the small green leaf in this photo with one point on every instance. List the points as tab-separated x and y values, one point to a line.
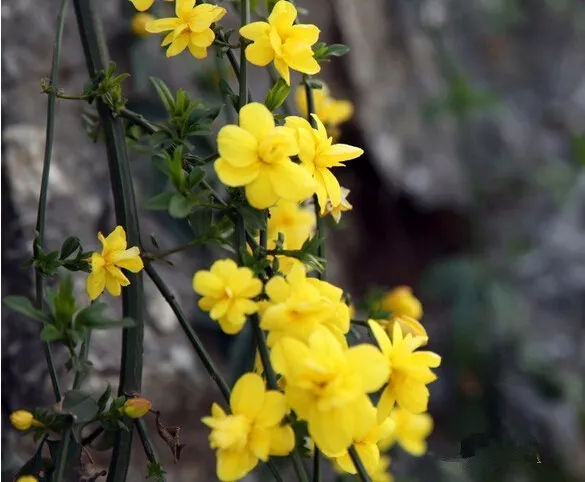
63	302
50	333
322	51
23	305
180	206
337	50
69	246
104	398
93	317
156	472
160	202
164	93
200	221
195	177
80	405
277	95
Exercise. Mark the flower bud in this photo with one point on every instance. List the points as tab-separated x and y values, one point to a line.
22	420
138	23
27	478
136	407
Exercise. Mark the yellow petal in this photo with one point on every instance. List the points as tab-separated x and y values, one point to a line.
282	440
282	17
235	176
129	259
117	274
168	38
247	395
142	5
197	52
234	464
256	119
178	45
183	6
97	261
202	39
115	241
162	25
113	285
252	289
300	57
224	268
381	337
255	30
204	15
95	283
305	33
273	409
237	146
230	328
385	404
260	53
332	186
208	284
260	193
332	430
260	442
291	181
282	68
371	364
338	153
277	289
219	309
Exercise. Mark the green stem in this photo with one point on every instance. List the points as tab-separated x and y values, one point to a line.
42	208
79	375
357	462
264	354
245	19
62	456
96	56
316	466
189	332
138	119
149	450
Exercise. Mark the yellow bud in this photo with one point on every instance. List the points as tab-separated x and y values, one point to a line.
136	407
27	478
400	301
22	420
138	23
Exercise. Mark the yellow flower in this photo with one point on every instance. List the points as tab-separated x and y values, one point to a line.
227	293
256	154
138	23
298	305
400	301
105	267
252	431
283	42
332	112
318	154
23	420
326	384
27	478
136	407
365	441
343	205
142	5
189	29
381	474
410	371
410	430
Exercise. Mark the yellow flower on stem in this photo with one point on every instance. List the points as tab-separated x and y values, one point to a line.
343	205
142	5
27	478
283	42
227	292
410	371
256	154
318	154
136	407
406	310
410	430
253	430
189	29
105	266
368	433
326	384
23	420
332	112
298	305
139	22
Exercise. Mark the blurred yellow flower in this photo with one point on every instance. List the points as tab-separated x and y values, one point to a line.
410	371
136	407
27	478
283	42
252	431
318	154
298	305
138	23
105	267
326	384
256	154
189	29
367	435
400	301
381	473
23	420
332	112
410	430
142	5
227	292
343	205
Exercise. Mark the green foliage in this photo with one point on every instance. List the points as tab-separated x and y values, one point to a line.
322	51
81	406
155	473
277	95
71	257
107	85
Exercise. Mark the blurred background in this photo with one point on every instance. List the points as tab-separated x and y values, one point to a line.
471	190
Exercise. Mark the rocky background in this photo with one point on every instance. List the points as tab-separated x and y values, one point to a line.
472	190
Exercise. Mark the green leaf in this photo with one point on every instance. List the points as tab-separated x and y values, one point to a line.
80	405
195	177
69	246
322	51
277	95
164	93
51	333
160	202
104	398
181	206
155	472
228	93
94	318
200	221
23	305
64	305
337	50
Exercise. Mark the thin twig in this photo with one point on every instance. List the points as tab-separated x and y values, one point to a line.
317	466
149	450
62	455
357	462
42	208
